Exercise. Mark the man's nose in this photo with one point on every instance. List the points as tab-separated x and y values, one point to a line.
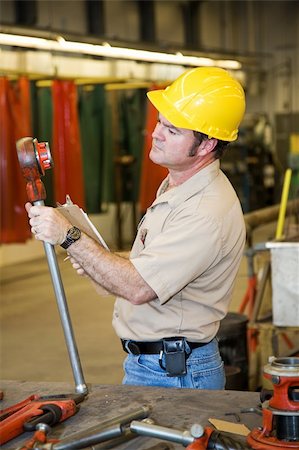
157	133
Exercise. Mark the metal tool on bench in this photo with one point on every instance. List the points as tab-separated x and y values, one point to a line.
108	429
34	158
280	410
115	430
197	438
25	415
39	439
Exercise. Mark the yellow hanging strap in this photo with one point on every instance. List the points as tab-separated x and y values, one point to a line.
283	203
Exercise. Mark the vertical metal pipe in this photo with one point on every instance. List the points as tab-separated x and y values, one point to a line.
80	387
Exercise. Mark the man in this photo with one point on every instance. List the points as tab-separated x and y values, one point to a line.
177	284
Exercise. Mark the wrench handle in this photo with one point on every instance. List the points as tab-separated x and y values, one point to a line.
81	387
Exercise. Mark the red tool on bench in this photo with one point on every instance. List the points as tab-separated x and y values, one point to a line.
280	430
25	415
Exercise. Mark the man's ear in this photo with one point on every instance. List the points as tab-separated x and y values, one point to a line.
207	146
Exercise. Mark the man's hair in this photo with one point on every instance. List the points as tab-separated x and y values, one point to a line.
220	147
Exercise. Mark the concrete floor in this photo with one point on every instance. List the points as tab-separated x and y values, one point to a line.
32	341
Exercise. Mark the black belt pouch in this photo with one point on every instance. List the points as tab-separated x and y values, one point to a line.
175	356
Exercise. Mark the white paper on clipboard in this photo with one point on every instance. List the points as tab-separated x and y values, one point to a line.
77	217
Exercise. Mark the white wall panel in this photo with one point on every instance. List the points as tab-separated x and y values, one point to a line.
163	72
44	64
130	70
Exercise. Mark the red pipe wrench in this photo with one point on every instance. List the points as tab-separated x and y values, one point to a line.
35	409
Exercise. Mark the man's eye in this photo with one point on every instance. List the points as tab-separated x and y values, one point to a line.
171	131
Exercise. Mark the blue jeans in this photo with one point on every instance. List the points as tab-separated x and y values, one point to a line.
205	370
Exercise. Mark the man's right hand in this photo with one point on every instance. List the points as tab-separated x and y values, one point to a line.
77	267
99	289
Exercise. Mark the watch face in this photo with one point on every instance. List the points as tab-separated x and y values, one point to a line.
74	233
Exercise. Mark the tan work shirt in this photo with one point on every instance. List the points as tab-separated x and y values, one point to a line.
188	248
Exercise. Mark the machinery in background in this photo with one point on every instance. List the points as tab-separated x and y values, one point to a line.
250	165
280	408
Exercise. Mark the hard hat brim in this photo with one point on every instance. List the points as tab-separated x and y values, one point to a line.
166	108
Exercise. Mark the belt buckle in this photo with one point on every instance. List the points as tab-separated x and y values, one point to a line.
133	348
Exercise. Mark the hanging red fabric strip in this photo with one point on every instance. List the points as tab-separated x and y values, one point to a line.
22	124
7	173
66	146
15	122
151	174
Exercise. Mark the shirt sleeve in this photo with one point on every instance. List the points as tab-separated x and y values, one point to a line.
188	246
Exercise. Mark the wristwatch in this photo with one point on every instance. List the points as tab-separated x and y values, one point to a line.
72	236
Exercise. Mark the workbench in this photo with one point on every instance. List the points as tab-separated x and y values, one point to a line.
176	408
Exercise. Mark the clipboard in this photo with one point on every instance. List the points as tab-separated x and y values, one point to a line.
77	217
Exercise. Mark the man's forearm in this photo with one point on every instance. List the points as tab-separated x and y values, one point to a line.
113	272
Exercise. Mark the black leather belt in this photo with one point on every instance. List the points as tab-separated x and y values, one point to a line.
150	348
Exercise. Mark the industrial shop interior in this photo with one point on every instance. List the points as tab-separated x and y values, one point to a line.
149	254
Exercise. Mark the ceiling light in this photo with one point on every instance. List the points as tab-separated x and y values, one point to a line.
108	51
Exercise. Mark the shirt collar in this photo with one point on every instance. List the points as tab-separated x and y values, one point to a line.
192	186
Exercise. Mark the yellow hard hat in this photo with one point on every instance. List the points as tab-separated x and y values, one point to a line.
205	99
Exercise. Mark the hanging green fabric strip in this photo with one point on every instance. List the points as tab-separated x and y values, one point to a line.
108	185
43	131
91	145
132	105
107	182
94	120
